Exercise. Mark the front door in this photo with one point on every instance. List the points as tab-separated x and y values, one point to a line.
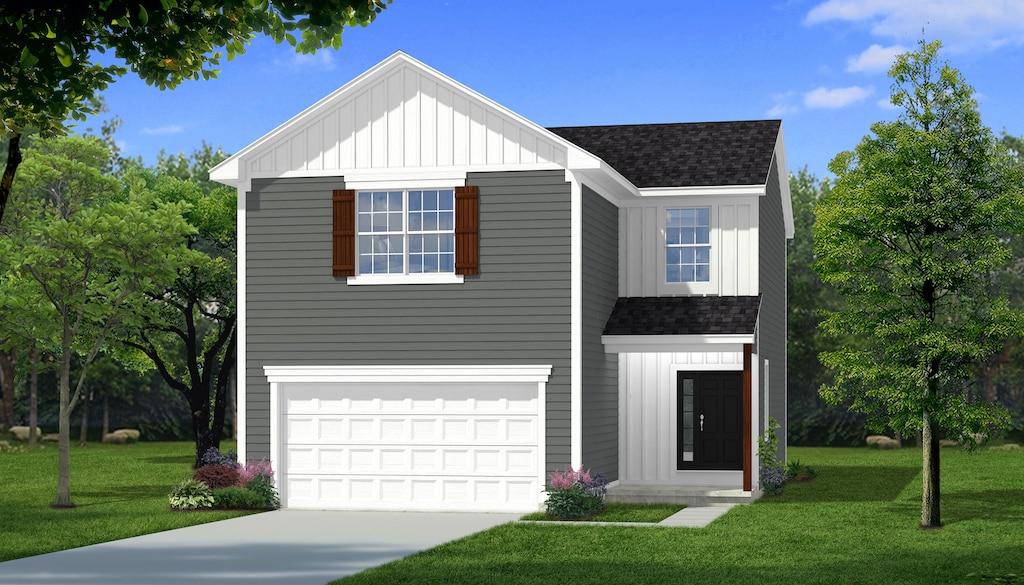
710	420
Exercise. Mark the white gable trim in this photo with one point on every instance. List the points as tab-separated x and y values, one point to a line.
402	115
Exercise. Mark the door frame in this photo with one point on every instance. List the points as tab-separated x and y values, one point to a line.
699	409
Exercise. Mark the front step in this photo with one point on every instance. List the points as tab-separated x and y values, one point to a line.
687	496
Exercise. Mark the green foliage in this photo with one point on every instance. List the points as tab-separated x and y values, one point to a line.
191	494
237	498
771	474
263	489
910	235
573	503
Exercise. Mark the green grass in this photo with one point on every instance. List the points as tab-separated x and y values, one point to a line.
856	523
120	490
622	512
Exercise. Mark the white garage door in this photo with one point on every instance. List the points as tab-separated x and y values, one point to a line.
411	444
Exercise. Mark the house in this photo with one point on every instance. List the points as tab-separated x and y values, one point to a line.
441	301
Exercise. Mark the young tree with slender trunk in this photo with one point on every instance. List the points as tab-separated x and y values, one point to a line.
910	235
78	260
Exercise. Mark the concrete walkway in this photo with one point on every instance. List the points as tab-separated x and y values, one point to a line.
697	516
297	547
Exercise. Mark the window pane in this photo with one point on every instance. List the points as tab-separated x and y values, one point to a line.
672	255
430	243
396	244
687	236
365	200
703	274
380	264
703	255
364	222
446	221
672	219
446	199
686	256
672	235
395	201
365	264
415	200
415	244
703	216
703	235
687	216
430	200
430	263
380	201
447	263
395	264
415	263
447	243
380	222
429	221
395	222
672	274
686	273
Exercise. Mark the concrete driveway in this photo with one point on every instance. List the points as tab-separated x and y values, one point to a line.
296	547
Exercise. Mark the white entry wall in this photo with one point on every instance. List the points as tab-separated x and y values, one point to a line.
647	417
409	437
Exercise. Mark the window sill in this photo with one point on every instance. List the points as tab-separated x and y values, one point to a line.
371	279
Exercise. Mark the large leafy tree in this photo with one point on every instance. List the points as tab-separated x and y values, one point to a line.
189	330
910	235
78	260
49	72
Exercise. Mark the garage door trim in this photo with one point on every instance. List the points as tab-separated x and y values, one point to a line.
278	376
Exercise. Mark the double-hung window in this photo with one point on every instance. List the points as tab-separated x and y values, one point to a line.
688	244
406	232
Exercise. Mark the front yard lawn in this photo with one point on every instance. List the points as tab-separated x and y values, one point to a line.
855	523
121	491
621	512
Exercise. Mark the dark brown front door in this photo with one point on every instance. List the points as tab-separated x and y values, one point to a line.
710	420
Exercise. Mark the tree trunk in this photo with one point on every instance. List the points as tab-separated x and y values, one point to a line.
33	394
233	403
8	362
63	499
83	432
106	418
930	517
13	160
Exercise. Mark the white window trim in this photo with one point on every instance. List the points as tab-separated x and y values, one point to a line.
711	287
405	186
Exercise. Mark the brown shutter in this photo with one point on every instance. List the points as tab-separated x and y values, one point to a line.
344	232
467	230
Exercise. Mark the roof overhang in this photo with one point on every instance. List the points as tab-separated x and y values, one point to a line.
675	343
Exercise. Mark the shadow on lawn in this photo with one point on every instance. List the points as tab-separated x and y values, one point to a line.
997	505
853	483
121	494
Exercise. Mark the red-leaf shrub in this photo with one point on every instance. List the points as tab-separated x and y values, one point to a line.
217	476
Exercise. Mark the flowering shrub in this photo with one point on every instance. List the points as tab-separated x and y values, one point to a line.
263	489
217	476
773	478
575	494
213	456
254	469
772	474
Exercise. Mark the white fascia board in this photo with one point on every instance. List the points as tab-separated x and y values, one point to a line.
675	343
704	191
787	198
408	373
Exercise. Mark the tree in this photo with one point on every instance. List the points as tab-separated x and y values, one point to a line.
78	261
811	420
49	72
189	332
910	236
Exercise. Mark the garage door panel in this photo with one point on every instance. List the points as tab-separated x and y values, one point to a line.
469	446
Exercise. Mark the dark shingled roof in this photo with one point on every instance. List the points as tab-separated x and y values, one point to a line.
697	154
683	315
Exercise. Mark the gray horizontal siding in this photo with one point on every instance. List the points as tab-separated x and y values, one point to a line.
515	312
772	317
600	369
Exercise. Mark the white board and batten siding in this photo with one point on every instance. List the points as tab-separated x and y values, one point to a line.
734	246
648	422
402	115
409	438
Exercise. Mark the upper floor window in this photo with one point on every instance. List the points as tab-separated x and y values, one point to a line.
688	244
406	232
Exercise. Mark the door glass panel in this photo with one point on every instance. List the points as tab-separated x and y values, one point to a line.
687	419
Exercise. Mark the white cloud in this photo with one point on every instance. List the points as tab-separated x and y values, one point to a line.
886	104
835	98
963	25
783	105
322	60
875	58
163	130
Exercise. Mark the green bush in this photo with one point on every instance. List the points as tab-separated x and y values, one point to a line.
191	494
264	490
574	503
237	498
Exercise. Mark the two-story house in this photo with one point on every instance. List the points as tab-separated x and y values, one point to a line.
441	301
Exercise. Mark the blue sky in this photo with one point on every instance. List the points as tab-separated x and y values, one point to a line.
819	65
